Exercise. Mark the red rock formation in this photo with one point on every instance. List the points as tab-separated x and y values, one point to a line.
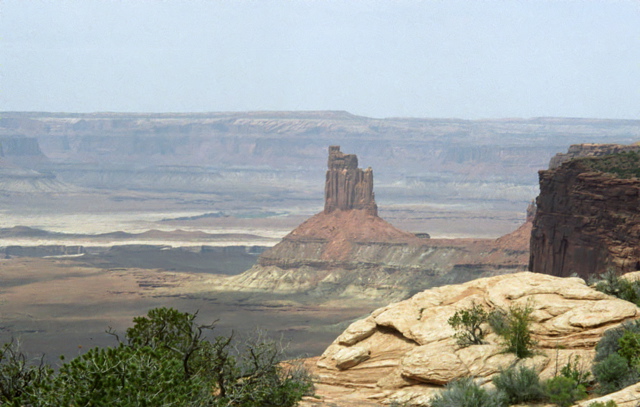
586	220
347	186
349	251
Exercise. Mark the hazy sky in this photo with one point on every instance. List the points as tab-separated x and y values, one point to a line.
466	59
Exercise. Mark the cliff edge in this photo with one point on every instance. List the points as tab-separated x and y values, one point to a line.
588	216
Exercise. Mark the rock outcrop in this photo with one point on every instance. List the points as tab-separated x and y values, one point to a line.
588	214
406	352
347	186
349	251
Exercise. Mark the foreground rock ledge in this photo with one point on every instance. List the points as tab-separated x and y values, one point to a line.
406	352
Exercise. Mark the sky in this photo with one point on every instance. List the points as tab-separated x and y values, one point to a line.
469	59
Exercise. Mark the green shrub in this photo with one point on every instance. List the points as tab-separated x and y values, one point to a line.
609	403
576	371
563	391
609	343
126	376
619	287
623	165
629	344
18	377
468	324
613	373
519	384
466	393
514	326
165	360
617	358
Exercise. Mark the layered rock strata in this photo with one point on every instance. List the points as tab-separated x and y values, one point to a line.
588	216
405	352
349	251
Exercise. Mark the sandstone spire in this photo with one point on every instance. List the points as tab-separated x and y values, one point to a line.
347	186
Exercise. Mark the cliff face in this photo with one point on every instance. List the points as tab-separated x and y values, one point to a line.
587	215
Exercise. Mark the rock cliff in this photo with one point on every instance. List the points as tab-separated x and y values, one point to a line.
587	216
405	352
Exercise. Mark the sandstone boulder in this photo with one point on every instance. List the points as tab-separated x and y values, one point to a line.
410	350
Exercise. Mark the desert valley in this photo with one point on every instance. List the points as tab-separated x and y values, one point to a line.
272	220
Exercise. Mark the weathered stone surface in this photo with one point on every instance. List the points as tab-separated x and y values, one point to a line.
586	221
413	352
346	358
357	331
435	363
627	397
347	186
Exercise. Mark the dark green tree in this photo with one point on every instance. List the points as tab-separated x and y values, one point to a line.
166	360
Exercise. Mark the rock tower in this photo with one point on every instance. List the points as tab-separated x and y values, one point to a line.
347	186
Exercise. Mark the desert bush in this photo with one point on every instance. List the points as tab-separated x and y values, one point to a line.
619	287
519	384
629	344
165	360
125	376
613	373
564	391
617	358
576	371
610	342
468	324
466	393
18	377
622	165
514	326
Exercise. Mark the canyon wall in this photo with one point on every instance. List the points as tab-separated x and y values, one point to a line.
118	142
588	217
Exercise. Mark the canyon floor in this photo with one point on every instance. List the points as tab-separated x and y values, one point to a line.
56	306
